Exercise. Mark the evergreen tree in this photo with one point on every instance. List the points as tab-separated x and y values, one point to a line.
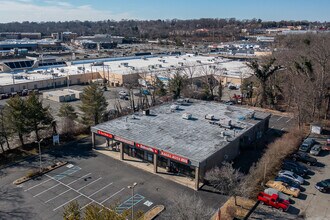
72	211
176	84
38	117
263	71
16	117
3	130
94	105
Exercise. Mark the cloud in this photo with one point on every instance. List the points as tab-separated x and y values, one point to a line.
28	10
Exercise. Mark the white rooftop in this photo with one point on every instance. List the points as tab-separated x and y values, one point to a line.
160	65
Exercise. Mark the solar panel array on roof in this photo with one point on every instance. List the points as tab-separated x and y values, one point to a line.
52	63
20	64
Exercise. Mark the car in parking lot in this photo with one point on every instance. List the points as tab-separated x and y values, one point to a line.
294	167
323	186
274	201
123	93
316	149
290	175
271	191
307	144
283	187
326	147
287	181
304	157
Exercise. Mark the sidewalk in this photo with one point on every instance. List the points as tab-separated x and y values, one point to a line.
146	166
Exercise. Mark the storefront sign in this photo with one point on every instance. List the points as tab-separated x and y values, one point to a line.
143	147
105	134
117	138
174	157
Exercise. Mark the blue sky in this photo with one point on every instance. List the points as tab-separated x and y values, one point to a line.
55	10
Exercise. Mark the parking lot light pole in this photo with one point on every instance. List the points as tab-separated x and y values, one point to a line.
132	187
40	168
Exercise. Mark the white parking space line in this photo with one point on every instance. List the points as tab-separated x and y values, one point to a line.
279	118
58	195
66	203
86	205
68	189
89	184
93	195
37	185
46	190
288	120
112	196
282	129
100	190
78	192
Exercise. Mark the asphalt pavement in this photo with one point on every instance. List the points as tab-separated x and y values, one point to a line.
89	178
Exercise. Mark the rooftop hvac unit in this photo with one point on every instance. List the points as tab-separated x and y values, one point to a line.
174	107
209	117
187	116
251	115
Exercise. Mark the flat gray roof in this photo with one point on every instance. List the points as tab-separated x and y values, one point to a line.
195	139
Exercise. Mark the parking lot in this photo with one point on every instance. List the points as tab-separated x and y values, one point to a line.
89	178
314	204
58	189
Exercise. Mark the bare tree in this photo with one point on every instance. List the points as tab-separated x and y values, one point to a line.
227	180
211	79
263	70
189	207
190	71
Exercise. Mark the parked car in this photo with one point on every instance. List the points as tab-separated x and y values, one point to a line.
283	187
4	96
323	186
24	92
290	175
229	103
327	145
316	149
307	144
124	97
303	157
294	167
288	181
123	93
271	191
274	201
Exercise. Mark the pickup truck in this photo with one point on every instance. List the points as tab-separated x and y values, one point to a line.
274	201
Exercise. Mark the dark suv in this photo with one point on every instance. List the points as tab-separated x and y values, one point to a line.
294	167
304	157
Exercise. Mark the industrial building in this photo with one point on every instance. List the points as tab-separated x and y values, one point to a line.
188	137
65	95
119	71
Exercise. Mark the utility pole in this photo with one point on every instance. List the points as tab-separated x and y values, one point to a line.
40	168
132	188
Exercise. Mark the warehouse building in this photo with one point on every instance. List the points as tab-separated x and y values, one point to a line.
187	137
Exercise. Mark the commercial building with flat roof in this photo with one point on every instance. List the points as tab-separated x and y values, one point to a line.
187	137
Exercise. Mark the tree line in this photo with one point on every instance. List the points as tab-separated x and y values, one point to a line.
295	79
23	118
220	28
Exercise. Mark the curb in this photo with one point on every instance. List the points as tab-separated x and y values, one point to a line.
50	168
33	156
